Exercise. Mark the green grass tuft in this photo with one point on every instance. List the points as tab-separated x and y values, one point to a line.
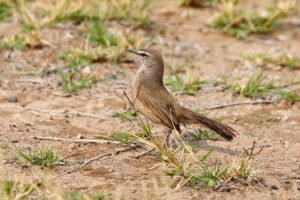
73	81
205	135
240	23
207	177
5	12
99	35
177	84
257	87
43	157
130	115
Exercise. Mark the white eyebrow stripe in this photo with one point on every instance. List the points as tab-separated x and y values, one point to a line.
140	52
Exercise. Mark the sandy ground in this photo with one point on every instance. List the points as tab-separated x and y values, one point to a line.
189	47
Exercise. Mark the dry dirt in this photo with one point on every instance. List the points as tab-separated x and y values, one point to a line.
123	175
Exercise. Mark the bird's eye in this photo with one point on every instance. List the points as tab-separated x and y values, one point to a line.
143	55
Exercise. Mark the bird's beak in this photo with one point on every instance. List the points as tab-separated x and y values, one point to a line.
135	51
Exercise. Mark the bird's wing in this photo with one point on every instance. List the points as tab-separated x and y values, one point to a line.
162	105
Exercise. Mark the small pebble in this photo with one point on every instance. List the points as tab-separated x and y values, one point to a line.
80	160
15	141
13	99
274	187
86	70
79	136
59	83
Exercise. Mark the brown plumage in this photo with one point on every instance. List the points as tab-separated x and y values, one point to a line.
153	99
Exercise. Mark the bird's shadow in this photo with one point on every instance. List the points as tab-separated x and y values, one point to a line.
203	145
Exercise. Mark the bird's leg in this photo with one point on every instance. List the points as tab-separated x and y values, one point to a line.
169	132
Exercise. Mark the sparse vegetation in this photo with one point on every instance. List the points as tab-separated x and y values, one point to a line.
5	11
20	41
205	135
23	188
16	42
283	60
51	46
72	77
43	157
130	11
106	44
240	23
73	81
177	84
79	11
10	190
130	115
258	87
264	119
182	162
110	47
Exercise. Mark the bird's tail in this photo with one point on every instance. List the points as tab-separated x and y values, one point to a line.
190	117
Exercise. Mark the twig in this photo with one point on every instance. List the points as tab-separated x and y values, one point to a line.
81	114
144	153
28	81
76	140
109	154
71	112
96	158
127	149
238	103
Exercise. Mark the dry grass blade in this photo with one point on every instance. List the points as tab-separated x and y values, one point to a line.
251	154
79	140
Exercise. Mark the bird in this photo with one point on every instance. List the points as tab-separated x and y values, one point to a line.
152	99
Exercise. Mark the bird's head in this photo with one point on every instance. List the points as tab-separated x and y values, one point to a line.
151	60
